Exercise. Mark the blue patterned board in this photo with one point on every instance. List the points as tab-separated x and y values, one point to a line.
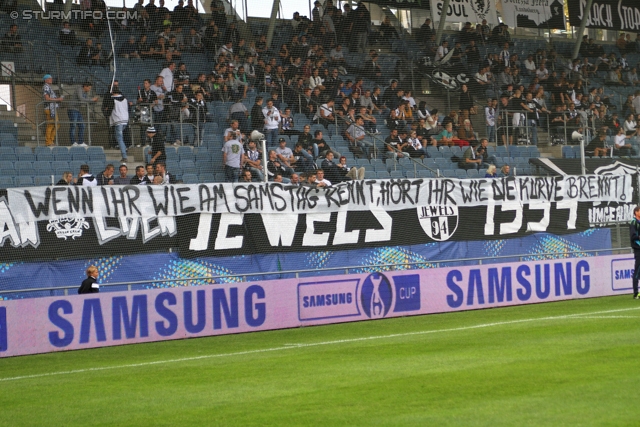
169	266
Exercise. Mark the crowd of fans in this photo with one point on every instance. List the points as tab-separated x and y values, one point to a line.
306	72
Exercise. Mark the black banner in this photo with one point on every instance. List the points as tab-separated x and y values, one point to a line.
619	15
77	238
226	234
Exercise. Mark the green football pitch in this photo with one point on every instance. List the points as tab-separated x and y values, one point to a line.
565	363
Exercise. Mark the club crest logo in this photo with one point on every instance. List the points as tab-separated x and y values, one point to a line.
481	8
439	222
68	226
376	296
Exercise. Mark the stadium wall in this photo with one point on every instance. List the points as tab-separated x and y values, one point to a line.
50	324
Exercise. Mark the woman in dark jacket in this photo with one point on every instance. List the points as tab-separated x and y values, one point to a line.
466	100
90	284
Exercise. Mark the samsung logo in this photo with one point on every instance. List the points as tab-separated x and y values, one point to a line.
326	300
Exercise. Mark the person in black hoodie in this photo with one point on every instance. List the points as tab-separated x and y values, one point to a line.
90	284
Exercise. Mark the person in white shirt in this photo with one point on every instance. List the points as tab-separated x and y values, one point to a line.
167	76
621	146
232	157
284	154
85	179
315	80
408	97
630	126
530	65
271	122
542	73
321	181
233	132
442	50
505	55
325	113
490	115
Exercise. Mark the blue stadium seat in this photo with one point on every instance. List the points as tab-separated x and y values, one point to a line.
207	177
42	180
190	178
42	168
6	181
5	165
45	156
24	181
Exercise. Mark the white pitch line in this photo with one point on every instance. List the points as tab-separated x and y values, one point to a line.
296	346
607	317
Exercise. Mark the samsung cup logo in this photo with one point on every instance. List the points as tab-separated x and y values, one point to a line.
376	296
67	226
481	8
439	222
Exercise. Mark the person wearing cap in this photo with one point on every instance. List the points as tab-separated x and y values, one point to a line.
80	100
284	154
50	107
156	141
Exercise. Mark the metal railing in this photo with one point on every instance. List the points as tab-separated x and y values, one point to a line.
42	121
233	278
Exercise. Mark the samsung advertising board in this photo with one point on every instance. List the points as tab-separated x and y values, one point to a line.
42	325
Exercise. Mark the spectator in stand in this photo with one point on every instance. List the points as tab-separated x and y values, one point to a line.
372	70
85	178
11	41
66	179
445	137
630	126
157	142
151	174
167	76
356	135
622	147
632	77
414	147
470	159
79	102
393	145
322	146
106	176
130	49
88	55
119	120
253	161
491	172
167	178
257	119
360	27
490	119
302	159
442	51
274	167
140	178
321	181
285	155
122	179
232	153
67	36
50	107
325	114
505	171
271	117
597	146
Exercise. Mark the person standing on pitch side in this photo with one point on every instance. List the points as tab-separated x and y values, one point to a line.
90	284
634	234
